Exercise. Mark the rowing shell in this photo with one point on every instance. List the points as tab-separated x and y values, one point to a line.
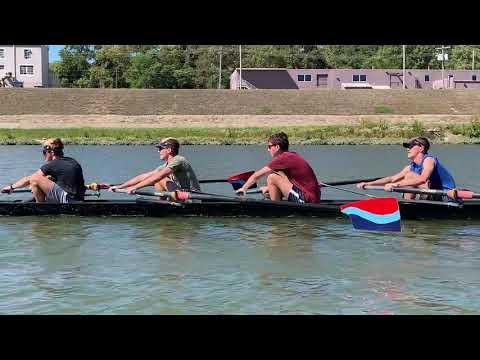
410	209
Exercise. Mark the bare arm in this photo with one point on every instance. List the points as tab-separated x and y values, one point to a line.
254	177
137	179
23	182
428	166
386	180
154	177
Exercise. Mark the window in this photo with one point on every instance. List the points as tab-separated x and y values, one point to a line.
427	78
304	77
2	67
27	53
474	77
359	78
2	53
26	69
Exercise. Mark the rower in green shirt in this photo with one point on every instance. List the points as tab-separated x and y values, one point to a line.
176	174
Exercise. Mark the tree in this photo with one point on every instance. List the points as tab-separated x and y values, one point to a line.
114	61
462	56
74	64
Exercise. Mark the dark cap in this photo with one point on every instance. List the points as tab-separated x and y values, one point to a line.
418	141
170	143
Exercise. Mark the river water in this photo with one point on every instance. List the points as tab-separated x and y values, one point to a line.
125	265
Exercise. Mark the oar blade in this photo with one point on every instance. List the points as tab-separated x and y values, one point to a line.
378	214
238	180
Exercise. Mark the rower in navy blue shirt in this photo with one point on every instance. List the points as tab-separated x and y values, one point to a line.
424	171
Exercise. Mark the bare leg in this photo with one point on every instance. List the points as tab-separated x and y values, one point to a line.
411	175
165	185
278	185
41	186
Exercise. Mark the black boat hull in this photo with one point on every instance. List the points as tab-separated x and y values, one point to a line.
261	208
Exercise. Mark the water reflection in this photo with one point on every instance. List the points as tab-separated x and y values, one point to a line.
198	265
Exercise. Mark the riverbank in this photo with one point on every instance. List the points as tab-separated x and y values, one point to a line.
142	116
364	132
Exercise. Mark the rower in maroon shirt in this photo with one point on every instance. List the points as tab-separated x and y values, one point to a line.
289	174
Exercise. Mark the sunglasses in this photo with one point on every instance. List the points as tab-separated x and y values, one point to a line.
414	144
270	145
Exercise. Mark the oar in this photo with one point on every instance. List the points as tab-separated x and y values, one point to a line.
20	191
348	182
379	214
453	193
236	180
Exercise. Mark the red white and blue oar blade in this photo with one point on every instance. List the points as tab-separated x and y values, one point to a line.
238	180
378	214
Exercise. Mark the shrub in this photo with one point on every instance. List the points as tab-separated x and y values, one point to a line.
383	109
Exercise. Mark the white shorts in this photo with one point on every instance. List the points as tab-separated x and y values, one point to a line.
58	195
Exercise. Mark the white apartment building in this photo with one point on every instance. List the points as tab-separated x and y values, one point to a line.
27	63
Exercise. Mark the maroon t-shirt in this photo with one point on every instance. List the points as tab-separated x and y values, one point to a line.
299	173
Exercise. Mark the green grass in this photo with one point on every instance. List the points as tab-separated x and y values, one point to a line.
365	133
383	109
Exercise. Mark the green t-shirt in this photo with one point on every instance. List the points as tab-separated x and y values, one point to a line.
183	174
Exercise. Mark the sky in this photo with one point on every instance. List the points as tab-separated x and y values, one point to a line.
53	52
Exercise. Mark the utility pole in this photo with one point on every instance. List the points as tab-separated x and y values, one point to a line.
473	59
404	80
220	70
443	48
14	62
240	87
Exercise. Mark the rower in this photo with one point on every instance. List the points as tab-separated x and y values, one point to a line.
60	180
175	174
424	171
288	174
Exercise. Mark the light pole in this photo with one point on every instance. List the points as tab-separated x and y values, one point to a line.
14	62
443	48
473	60
220	70
240	86
404	80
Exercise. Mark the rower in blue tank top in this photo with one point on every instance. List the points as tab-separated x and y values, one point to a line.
424	171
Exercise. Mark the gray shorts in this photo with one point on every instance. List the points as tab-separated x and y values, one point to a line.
58	195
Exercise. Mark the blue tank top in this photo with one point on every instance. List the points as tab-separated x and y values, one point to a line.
440	178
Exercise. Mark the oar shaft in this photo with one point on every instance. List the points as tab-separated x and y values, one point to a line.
350	182
211	181
463	194
342	189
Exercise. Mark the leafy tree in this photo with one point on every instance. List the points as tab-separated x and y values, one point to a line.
462	56
74	64
115	61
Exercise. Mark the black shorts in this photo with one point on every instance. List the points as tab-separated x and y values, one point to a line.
296	195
